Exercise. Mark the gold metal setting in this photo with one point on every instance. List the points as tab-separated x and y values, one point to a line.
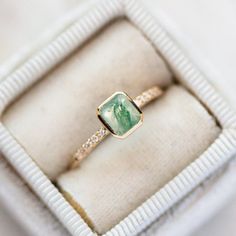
107	126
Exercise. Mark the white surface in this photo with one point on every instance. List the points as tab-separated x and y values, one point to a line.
8	226
23	19
222	224
209	27
206	31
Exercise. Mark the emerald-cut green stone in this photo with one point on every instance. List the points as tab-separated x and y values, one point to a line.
119	114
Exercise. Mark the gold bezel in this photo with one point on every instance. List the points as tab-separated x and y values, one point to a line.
108	127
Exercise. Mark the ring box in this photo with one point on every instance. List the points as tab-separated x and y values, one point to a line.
31	69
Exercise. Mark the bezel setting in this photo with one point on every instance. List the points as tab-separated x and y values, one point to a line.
107	126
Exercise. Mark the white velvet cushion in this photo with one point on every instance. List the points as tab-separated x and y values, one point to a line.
121	174
59	113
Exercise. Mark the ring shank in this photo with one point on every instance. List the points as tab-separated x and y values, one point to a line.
91	143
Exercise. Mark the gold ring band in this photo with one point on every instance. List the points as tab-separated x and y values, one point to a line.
139	102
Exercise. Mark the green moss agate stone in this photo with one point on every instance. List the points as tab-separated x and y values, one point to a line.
119	114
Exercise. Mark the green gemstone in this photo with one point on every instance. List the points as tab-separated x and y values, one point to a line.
119	114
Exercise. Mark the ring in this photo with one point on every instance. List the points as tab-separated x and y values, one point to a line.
120	116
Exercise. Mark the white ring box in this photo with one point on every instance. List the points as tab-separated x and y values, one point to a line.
31	69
